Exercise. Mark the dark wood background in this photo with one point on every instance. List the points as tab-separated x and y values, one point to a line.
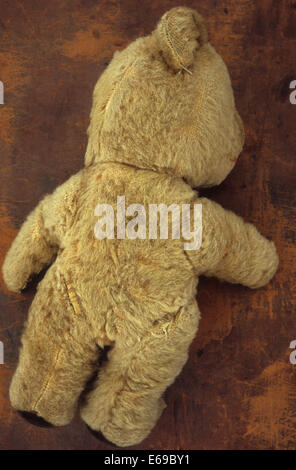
238	389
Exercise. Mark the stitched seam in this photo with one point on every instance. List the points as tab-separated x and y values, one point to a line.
137	167
72	297
116	88
74	302
92	161
47	381
76	199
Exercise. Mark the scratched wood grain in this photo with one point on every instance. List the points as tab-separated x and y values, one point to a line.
238	389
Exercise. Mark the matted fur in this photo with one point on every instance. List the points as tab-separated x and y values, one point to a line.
163	121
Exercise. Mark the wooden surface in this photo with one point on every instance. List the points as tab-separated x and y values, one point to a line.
238	389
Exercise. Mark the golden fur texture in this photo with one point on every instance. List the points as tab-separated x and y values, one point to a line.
163	121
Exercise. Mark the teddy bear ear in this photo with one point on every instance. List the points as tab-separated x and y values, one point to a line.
179	33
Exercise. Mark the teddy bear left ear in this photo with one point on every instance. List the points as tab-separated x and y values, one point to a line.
180	32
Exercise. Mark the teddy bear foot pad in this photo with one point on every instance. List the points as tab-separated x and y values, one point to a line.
99	436
33	418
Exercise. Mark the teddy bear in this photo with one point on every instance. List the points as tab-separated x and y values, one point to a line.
163	124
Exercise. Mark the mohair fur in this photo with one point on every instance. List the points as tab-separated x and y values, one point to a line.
163	121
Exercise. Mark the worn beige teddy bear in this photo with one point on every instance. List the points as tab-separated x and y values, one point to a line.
163	121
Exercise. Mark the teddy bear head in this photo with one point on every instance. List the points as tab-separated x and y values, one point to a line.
166	103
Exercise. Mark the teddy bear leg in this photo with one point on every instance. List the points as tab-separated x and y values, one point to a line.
127	399
57	358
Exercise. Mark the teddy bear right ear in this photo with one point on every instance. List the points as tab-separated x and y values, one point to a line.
179	33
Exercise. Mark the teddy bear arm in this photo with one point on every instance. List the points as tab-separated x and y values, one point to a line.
233	250
29	252
40	236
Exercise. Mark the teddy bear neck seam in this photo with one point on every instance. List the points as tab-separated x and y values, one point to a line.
136	167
